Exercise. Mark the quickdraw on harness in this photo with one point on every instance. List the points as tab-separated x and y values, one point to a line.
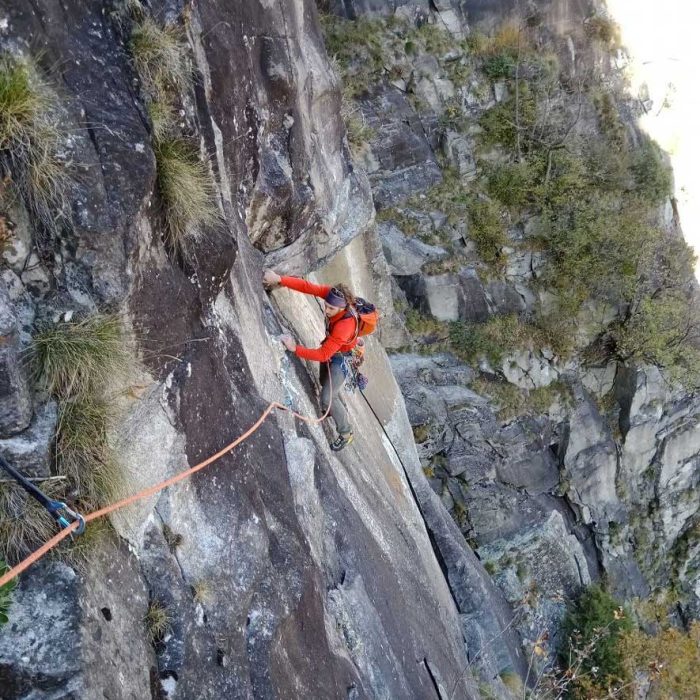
59	511
354	379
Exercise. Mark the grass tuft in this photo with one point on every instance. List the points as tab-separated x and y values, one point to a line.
78	359
358	131
25	524
30	142
157	621
83	454
76	362
189	201
160	57
202	591
163	119
172	539
24	101
78	551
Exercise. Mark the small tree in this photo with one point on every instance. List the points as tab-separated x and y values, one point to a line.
592	630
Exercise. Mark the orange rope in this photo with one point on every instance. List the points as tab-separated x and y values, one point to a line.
151	490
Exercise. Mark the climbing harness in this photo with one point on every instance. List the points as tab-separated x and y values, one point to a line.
354	379
59	511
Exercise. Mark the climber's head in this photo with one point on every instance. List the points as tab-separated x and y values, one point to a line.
339	298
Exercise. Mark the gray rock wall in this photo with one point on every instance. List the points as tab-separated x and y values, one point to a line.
284	570
614	466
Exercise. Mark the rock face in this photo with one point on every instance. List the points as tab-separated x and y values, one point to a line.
284	570
602	479
501	482
402	567
403	162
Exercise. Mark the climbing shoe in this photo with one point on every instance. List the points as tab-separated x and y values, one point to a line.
341	441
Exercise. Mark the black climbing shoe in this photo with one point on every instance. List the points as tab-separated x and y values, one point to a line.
341	441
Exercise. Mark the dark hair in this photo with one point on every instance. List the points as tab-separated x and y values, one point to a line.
347	294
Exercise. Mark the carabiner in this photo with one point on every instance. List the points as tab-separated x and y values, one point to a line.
63	522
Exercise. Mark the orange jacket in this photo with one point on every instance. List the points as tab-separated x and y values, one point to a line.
341	332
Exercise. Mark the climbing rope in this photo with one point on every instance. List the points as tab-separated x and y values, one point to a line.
156	488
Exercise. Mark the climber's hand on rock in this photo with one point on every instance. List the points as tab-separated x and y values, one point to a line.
271	278
288	342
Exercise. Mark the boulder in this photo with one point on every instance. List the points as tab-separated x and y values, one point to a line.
406	255
529	369
546	558
428	85
591	461
504	298
459	151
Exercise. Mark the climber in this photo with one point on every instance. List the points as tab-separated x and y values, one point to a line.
342	325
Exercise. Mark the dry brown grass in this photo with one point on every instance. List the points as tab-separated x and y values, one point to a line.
187	191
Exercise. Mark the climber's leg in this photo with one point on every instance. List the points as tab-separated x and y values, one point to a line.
338	411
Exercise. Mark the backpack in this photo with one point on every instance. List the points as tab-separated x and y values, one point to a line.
367	315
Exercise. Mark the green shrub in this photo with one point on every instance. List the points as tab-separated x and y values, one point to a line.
493	339
453	116
449	196
434	38
591	633
359	48
407	224
609	119
514	184
500	126
5	594
596	249
458	71
499	67
670	659
661	331
652	175
510	400
79	358
486	230
425	328
491	567
358	131
160	58
513	401
187	191
603	29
